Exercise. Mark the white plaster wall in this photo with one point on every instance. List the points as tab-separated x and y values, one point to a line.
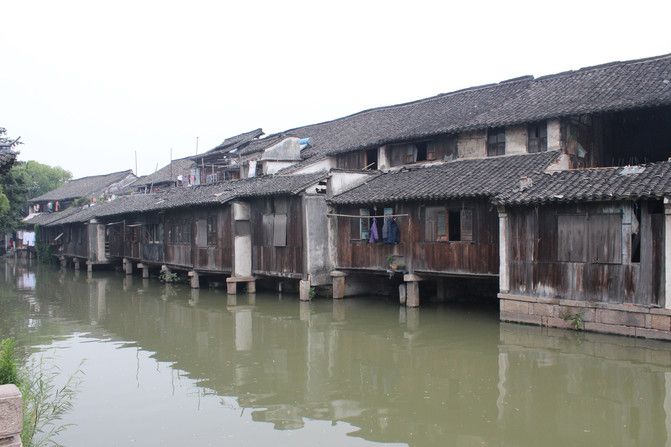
287	149
242	264
554	134
318	265
472	144
271	167
342	181
325	164
516	140
383	158
240	211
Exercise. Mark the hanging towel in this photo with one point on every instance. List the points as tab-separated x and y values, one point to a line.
373	232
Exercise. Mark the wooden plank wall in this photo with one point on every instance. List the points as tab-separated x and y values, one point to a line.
351	160
547	262
272	260
215	256
479	256
77	240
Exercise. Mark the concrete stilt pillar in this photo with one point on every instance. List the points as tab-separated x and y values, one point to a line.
64	262
195	279
412	289
195	297
251	286
145	270
304	290
251	299
75	263
338	279
89	266
504	279
231	287
402	294
127	266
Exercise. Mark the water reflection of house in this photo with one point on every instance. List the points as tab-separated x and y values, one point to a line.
437	198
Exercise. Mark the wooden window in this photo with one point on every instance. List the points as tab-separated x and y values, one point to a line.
153	234
360	228
267	220
455	225
409	154
443	224
537	137
201	233
280	230
466	229
212	229
496	141
186	232
421	151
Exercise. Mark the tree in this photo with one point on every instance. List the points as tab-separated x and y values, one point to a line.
40	178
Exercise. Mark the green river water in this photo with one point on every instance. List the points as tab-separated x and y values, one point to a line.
165	365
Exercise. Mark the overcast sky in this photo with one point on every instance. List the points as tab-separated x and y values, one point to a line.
87	83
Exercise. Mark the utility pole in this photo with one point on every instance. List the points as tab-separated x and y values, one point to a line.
136	163
196	145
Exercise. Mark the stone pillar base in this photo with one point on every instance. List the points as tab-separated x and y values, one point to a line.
145	270
304	290
232	284
127	266
412	294
402	294
11	416
195	279
338	279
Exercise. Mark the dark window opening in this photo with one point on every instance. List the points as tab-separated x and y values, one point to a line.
212	229
496	141
636	236
454	222
421	151
537	134
371	159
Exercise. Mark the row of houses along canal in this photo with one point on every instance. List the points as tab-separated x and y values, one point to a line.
547	199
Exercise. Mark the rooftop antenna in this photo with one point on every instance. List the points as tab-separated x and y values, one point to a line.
171	164
196	145
136	162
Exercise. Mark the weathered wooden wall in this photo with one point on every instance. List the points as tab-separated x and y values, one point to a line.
212	253
76	241
476	257
267	258
351	160
589	261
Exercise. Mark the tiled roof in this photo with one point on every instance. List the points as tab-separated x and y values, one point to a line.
50	218
92	186
646	181
196	196
464	178
611	87
168	173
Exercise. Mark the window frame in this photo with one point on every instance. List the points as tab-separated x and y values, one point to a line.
496	141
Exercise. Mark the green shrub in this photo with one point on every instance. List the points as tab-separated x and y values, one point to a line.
9	371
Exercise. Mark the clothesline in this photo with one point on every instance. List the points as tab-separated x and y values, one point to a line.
363	216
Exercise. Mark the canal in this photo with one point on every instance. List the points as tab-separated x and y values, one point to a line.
167	365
